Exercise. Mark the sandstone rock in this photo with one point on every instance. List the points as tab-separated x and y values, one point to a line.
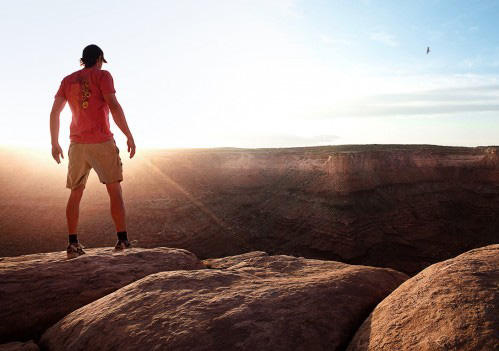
399	206
368	169
231	261
19	346
257	302
451	305
38	290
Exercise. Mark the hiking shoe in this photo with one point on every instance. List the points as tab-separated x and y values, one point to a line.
75	250
122	244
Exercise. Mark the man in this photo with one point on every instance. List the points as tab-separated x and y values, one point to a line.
91	95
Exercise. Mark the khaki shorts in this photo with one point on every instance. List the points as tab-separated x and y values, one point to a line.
103	157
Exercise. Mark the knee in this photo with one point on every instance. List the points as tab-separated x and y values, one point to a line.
77	193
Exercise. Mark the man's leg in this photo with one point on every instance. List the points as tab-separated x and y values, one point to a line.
117	205
73	208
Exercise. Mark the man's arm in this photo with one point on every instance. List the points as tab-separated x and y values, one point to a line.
59	103
120	120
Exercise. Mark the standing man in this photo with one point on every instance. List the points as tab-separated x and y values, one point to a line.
91	95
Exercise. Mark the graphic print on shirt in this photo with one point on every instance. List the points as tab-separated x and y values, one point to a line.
85	92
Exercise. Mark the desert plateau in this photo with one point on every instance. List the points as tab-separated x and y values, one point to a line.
350	247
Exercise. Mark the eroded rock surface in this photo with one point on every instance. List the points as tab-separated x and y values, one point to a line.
451	305
38	290
399	206
19	346
255	302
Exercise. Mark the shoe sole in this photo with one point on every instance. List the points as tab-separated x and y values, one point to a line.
132	243
73	255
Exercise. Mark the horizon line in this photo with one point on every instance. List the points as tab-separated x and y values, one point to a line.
152	149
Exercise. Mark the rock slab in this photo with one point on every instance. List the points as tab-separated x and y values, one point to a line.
38	290
253	302
451	305
19	346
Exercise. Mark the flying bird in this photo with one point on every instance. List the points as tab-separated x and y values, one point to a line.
427	50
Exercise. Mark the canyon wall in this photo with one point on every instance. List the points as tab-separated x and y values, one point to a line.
354	171
399	206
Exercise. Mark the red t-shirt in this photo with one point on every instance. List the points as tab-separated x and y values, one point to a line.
84	90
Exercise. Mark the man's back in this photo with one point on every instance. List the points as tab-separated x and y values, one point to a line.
91	96
84	90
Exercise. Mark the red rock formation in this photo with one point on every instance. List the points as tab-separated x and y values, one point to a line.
38	290
451	305
250	302
399	206
19	346
364	170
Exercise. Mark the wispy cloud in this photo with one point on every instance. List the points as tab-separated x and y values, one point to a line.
290	9
430	102
459	94
384	38
479	61
328	40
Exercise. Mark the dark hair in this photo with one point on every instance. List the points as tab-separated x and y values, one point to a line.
90	55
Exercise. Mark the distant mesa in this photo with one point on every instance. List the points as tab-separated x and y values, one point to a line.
399	206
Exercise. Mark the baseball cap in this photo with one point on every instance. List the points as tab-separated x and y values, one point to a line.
91	53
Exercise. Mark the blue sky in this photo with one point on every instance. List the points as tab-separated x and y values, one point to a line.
462	35
262	73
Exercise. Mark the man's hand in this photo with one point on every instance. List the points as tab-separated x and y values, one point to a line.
131	146
56	150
